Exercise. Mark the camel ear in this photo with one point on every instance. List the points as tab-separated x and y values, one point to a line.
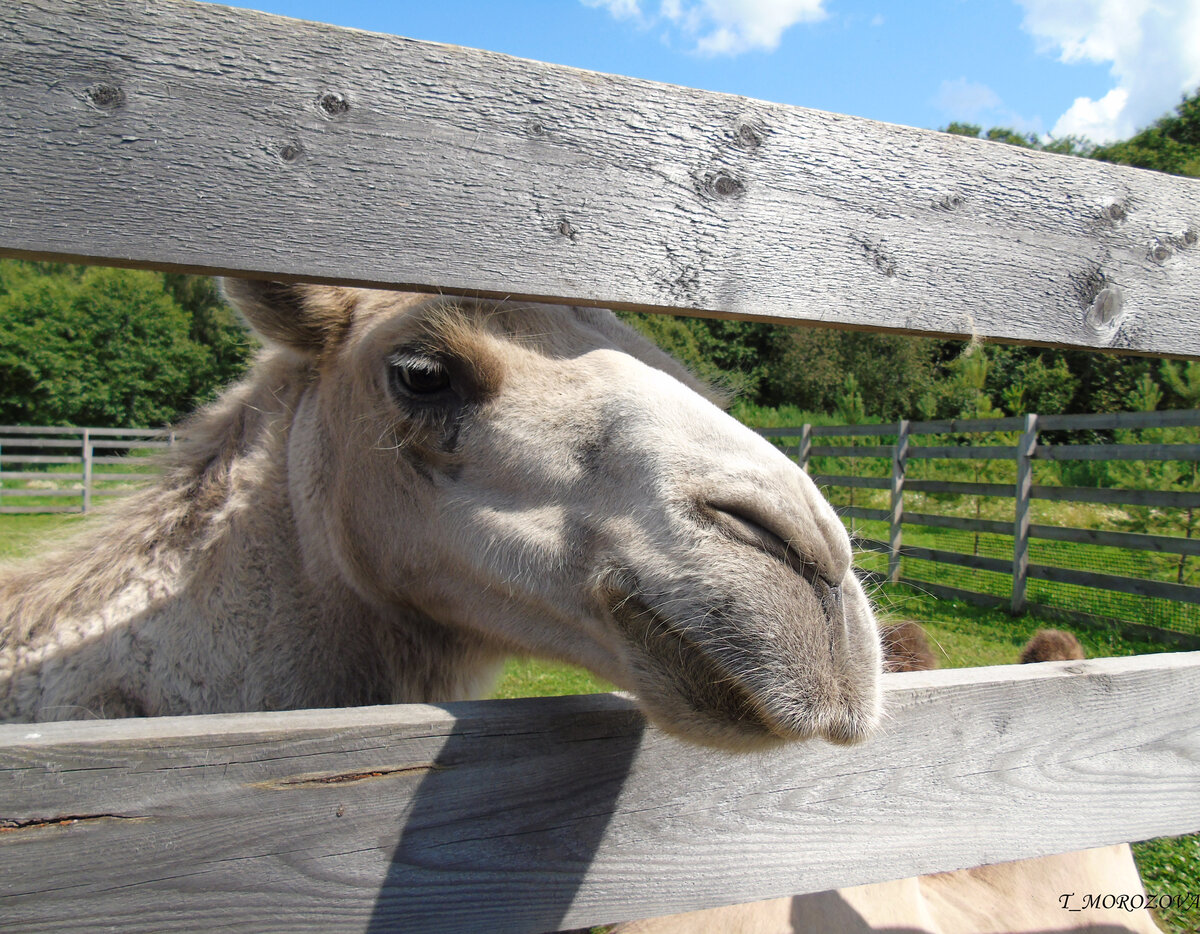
307	318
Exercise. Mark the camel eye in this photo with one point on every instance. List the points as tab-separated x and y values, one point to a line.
413	375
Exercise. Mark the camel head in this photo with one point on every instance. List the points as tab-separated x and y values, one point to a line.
547	480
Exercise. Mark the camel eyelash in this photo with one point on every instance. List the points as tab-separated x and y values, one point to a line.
419	377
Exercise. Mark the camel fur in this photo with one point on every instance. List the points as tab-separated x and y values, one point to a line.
407	489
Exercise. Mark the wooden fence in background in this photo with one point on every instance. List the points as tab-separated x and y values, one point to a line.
192	137
1026	448
104	448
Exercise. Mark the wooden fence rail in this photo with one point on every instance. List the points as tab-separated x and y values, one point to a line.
536	815
192	137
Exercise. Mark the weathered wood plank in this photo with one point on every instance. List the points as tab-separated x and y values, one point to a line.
852	430
1118	452
1139	586
39	459
541	814
973	452
1100	421
896	504
1168	499
1023	512
98	432
978	562
1135	541
195	137
1108	420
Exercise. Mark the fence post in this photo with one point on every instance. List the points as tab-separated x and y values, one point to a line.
803	452
899	463
1026	448
87	470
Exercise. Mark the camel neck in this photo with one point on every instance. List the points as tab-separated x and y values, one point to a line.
194	597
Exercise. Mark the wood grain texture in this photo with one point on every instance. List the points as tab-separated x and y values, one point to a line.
195	137
540	814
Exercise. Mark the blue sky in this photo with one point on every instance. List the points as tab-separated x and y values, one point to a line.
1099	68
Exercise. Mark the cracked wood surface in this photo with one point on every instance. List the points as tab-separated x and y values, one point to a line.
196	137
542	814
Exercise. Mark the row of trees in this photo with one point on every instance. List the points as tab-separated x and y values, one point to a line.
125	348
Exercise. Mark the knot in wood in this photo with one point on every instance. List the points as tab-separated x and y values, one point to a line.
568	230
1160	252
333	104
535	128
105	96
720	185
290	151
1104	313
1116	212
748	136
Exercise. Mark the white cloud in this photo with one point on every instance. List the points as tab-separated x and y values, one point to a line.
621	9
971	102
1153	47
967	100
722	27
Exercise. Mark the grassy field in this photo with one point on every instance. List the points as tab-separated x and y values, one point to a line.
1120	562
962	636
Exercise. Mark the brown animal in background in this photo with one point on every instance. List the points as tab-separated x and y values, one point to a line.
1051	645
406	489
906	648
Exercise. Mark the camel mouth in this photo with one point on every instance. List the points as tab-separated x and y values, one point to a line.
703	689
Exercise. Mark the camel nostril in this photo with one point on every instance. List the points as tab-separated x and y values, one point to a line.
830	595
753	532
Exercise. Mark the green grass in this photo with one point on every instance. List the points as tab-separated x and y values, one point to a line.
21	536
528	677
962	635
966	636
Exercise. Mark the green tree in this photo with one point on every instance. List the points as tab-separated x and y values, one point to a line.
736	354
1030	379
98	346
892	371
1063	145
1170	144
214	325
1160	474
